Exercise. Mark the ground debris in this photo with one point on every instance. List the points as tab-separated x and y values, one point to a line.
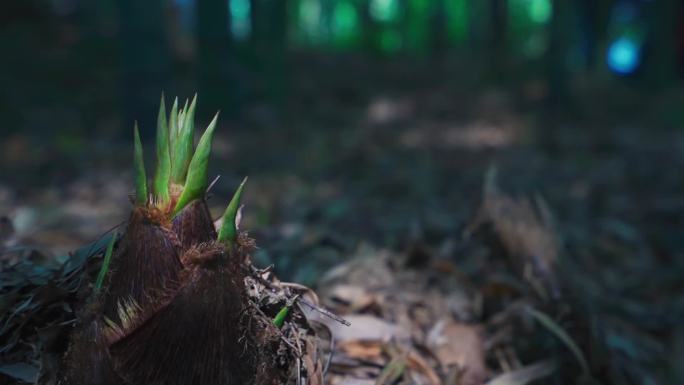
402	330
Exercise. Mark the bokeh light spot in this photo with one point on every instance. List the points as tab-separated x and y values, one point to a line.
345	20
384	10
540	11
623	56
309	13
241	25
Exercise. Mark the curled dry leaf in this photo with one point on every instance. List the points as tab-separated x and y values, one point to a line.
353	297
370	269
417	363
525	230
364	350
460	345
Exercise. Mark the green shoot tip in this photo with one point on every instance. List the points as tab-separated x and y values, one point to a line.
229	229
139	169
197	180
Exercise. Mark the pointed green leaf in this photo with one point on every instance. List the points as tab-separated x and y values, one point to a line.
176	145
189	115
105	263
183	110
163	172
228	231
181	118
184	144
196	184
173	128
139	165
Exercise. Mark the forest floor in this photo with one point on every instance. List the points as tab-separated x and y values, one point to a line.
461	247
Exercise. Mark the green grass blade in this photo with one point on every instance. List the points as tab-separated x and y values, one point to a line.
562	335
184	144
139	165
173	128
393	371
105	263
228	231
196	184
163	171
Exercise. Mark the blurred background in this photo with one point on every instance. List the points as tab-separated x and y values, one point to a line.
374	122
411	96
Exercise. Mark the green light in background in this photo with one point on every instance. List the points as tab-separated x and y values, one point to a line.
418	24
240	9
309	15
345	21
241	25
535	46
457	14
540	11
390	40
384	10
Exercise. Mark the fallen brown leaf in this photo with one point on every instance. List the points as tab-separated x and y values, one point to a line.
461	345
362	349
417	363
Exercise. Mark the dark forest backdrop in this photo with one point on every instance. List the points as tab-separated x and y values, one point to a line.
100	63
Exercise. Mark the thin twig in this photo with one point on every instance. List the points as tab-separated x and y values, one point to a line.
288	343
299	372
330	356
213	183
325	312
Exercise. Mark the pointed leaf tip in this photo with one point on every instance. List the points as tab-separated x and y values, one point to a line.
197	180
184	142
163	170
173	127
139	166
105	262
181	118
229	230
